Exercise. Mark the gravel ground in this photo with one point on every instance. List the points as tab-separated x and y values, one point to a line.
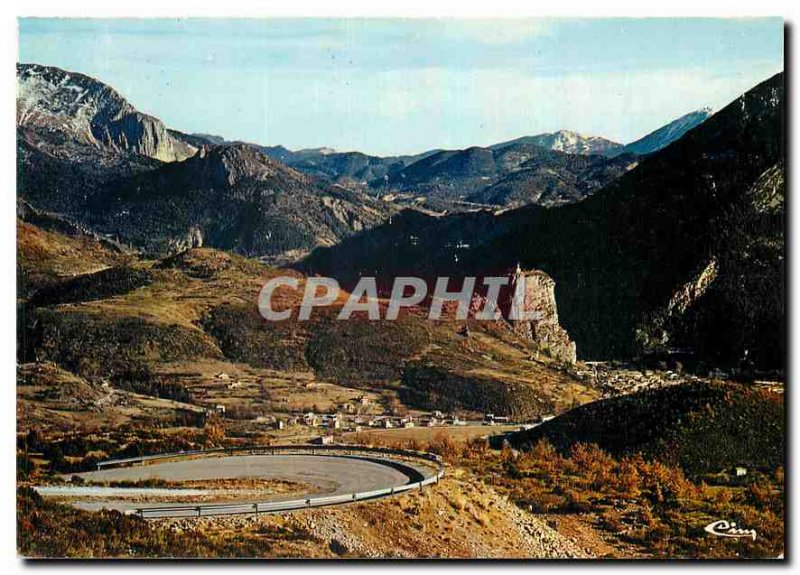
416	525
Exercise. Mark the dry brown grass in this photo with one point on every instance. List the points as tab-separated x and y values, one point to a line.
44	257
459	434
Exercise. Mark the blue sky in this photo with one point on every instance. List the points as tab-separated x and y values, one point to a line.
403	86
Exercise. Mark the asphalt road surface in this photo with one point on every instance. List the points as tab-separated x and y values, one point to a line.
329	474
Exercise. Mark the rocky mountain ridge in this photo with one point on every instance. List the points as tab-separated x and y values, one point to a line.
83	109
623	252
86	153
568	142
539	296
546	169
508	176
665	135
235	198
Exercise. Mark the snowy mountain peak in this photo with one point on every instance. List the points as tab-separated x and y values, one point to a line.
90	112
568	142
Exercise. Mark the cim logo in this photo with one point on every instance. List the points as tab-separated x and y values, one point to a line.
724	528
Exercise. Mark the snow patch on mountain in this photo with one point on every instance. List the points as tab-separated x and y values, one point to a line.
568	142
91	112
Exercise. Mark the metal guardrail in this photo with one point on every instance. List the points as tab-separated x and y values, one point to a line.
211	509
145	458
272	450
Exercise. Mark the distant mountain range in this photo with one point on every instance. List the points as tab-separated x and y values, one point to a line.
685	249
87	153
355	169
507	174
664	136
567	142
512	175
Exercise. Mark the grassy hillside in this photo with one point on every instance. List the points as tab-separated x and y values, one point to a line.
129	324
701	427
46	257
430	364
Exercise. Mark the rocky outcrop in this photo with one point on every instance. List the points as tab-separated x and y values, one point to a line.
655	331
229	164
83	109
231	197
192	239
534	291
568	142
732	308
145	135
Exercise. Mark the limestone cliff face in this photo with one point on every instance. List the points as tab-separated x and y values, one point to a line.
83	109
145	135
534	291
732	307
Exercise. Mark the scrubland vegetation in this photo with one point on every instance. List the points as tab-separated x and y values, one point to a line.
647	506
